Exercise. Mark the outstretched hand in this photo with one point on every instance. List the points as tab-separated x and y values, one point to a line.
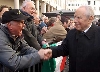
47	54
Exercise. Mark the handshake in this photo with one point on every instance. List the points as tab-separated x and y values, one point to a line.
45	54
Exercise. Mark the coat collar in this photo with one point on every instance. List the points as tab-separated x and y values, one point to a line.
89	33
30	18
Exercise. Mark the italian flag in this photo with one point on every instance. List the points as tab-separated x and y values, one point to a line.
54	64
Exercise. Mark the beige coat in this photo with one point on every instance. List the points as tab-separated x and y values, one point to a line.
57	31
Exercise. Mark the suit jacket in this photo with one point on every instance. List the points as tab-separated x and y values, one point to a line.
57	31
83	50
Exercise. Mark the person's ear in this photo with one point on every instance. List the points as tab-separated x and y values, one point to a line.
9	25
91	18
23	8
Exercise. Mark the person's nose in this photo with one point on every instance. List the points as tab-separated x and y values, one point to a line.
75	20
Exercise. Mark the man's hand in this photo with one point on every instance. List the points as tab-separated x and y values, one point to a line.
41	53
44	41
45	54
48	54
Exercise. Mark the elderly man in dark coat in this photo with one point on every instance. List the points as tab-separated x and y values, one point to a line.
30	32
82	44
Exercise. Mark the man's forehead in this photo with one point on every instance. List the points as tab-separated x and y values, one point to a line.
30	4
78	15
79	12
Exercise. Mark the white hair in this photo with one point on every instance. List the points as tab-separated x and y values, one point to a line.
25	3
89	11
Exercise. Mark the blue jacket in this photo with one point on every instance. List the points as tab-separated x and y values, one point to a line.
15	55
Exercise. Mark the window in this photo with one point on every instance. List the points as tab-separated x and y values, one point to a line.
69	9
88	2
99	8
68	4
94	2
78	4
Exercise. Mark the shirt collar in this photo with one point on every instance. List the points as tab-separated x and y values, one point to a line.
86	32
88	28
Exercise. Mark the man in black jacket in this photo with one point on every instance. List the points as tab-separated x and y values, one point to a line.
30	32
82	44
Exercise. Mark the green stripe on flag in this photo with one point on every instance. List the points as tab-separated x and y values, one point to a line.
49	65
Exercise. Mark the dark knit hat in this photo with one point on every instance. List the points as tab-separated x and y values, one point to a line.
14	14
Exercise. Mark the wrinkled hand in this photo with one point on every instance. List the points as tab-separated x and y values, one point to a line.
41	53
45	54
48	54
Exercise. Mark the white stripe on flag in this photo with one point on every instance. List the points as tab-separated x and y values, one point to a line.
58	63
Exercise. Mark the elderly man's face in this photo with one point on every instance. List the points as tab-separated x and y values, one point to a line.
15	27
82	21
30	8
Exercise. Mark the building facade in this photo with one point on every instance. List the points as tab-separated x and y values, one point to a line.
72	5
42	6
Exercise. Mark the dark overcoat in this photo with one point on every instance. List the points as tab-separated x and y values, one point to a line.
83	50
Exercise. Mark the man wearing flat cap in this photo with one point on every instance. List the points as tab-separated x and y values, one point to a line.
15	54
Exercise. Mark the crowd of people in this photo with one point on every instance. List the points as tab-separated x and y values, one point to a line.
23	33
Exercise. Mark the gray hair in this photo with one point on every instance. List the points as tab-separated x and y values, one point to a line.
89	11
25	3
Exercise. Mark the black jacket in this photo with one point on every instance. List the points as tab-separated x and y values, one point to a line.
83	50
30	32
